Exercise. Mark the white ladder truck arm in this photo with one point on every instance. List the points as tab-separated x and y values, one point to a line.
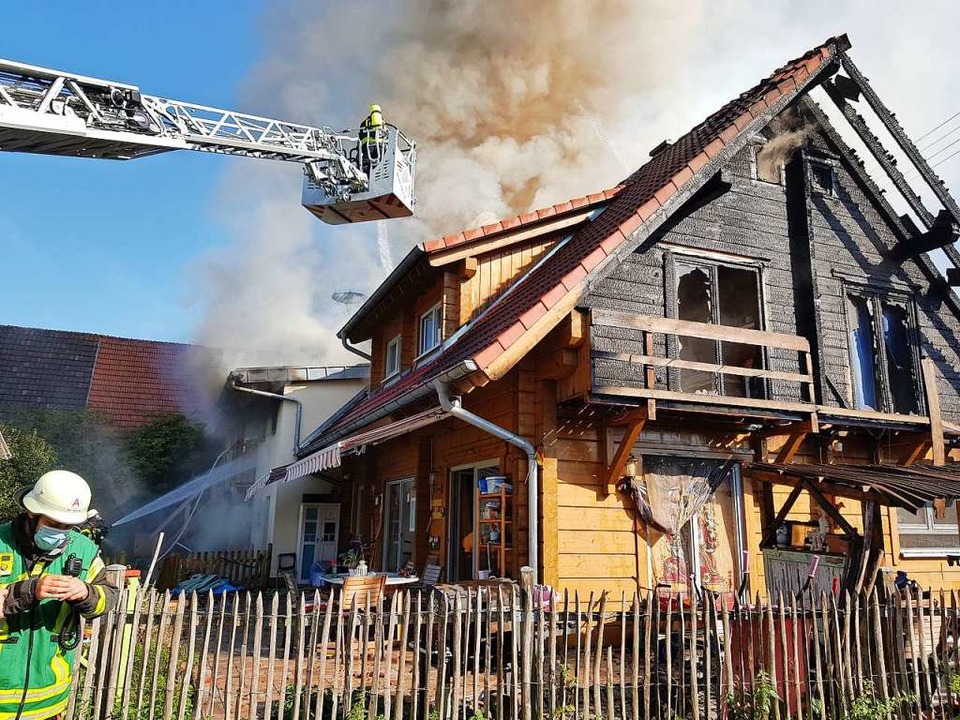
345	180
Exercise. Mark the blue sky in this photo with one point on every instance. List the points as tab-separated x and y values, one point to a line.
101	246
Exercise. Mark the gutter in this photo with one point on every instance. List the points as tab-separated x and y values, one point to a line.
275	396
355	351
453	407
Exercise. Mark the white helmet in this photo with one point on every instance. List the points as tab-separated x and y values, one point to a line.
60	495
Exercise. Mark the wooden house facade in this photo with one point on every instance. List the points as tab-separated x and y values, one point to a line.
737	367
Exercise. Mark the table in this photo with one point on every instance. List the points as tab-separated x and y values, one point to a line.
393	579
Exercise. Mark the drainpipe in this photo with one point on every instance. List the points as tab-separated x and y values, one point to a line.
454	407
275	396
355	351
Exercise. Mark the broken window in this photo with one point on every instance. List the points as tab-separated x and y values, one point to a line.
899	357
718	295
862	353
822	178
882	354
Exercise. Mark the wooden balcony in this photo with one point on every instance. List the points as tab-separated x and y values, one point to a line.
747	384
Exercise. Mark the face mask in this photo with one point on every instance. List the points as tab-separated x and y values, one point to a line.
47	538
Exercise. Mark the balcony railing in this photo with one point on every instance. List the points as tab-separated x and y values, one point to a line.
750	388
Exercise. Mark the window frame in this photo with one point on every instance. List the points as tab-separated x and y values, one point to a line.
387	373
710	262
823	164
930	527
877	298
436	310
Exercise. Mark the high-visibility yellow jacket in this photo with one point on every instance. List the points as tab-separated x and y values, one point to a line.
30	654
370	127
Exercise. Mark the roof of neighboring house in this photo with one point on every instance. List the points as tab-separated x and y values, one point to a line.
126	380
496	339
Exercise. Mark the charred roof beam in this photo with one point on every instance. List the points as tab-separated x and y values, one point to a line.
906	145
943	232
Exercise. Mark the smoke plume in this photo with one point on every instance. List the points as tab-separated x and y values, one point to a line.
513	106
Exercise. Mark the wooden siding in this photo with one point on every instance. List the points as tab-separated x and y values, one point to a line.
748	223
849	238
496	271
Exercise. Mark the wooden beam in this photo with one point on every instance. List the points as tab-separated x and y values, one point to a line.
828	507
868	508
468	268
942	233
706	331
933	410
622	454
770	532
914	452
790	447
651	361
953	277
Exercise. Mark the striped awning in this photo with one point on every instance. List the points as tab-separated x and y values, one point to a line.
330	456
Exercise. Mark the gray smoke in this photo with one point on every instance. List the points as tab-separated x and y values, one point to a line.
514	106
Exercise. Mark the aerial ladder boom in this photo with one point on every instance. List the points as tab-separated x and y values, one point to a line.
345	180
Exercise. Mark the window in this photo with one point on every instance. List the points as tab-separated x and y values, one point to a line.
400	518
926	533
883	353
719	295
391	358
822	178
431	325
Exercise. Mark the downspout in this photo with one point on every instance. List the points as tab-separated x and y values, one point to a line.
454	407
276	396
355	351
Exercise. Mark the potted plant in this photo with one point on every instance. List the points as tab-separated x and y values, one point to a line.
349	560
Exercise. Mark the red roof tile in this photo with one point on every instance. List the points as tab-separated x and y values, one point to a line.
448	241
134	380
642	194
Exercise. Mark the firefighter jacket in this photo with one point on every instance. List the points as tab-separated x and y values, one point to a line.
33	632
370	128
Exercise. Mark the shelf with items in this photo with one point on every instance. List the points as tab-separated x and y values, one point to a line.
494	512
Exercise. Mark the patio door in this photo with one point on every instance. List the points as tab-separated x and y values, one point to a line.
319	535
400	524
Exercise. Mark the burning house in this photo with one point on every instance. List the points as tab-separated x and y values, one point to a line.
739	367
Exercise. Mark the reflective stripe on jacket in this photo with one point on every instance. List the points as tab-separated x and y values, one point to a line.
30	629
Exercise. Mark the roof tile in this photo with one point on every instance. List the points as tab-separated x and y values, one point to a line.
573	278
490	229
668	190
511	334
530	317
714	148
546	212
595	257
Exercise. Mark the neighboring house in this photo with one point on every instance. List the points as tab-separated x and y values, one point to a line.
736	360
260	415
124	382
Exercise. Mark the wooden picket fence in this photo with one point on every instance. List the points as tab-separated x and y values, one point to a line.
243	568
497	654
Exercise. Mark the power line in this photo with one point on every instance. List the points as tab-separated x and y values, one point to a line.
943	160
930	132
941	138
945	147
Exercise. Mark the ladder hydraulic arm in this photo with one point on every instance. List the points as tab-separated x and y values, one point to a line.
58	113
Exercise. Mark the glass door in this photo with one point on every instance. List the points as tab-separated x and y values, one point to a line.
319	535
400	524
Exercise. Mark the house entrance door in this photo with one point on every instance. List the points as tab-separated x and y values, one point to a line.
462	535
319	535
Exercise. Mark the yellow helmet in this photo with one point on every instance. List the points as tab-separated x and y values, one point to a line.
375	108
